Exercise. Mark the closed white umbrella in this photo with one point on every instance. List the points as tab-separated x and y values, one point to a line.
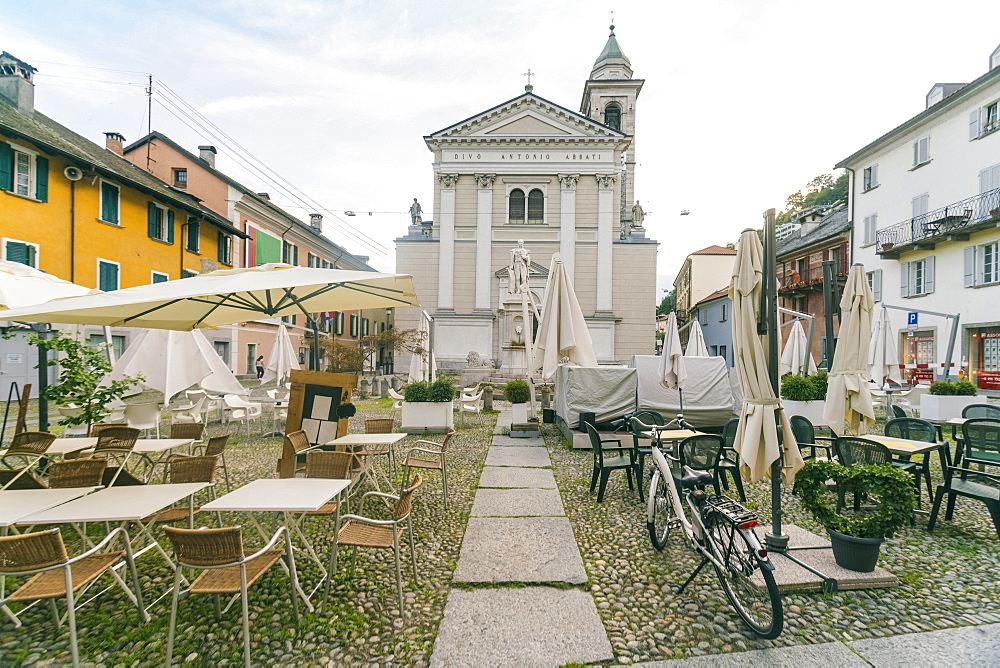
420	363
21	285
673	373
696	342
848	396
283	359
794	352
562	330
761	414
882	355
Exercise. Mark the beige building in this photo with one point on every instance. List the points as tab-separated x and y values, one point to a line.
702	273
562	182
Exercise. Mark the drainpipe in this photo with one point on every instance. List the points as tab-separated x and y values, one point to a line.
72	232
850	214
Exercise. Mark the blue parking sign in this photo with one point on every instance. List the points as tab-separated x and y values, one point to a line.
911	318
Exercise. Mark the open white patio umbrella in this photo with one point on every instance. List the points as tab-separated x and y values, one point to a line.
282	360
21	285
848	397
696	342
228	296
172	362
882	355
794	352
761	414
562	330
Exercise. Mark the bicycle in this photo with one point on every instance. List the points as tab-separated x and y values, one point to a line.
721	530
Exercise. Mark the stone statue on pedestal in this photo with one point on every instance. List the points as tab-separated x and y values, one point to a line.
520	259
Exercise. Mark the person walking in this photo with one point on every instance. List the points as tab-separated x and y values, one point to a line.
260	367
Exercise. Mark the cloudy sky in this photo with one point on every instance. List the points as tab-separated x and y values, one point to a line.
744	101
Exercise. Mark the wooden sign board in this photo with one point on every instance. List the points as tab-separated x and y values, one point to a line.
313	406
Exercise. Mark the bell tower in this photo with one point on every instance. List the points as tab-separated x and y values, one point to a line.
609	97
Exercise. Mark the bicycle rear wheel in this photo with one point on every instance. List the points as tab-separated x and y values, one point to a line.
759	604
661	517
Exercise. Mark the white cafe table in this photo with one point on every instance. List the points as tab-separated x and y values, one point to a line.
143	446
384	440
18	503
293	498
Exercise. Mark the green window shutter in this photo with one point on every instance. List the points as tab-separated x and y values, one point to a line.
108	278
16	252
6	167
109	203
160	278
295	255
170	227
42	179
151	214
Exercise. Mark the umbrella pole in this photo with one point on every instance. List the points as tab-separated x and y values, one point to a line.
775	540
315	345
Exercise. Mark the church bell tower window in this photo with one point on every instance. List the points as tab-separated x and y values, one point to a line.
613	116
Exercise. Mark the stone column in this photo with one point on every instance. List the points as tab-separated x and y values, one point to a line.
567	221
484	227
605	220
446	270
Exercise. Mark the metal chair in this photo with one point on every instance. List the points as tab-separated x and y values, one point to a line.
381	426
192	430
182	469
227	570
293	453
606	460
641	445
57	575
706	452
329	465
116	445
216	447
360	531
805	435
26	450
434	456
77	473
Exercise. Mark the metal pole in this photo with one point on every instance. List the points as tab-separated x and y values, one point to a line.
829	308
809	344
314	353
109	348
43	378
951	347
775	539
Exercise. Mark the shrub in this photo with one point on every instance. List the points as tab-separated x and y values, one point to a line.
416	392
442	389
517	391
796	388
819	382
943	388
965	388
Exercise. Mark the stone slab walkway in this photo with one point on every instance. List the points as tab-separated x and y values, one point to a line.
519	534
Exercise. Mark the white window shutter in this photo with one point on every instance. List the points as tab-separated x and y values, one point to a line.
969	253
974	125
904	279
877	285
916	153
928	275
874	175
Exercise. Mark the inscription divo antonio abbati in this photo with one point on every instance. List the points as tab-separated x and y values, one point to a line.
541	157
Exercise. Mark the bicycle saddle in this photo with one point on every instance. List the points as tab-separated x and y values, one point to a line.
692	478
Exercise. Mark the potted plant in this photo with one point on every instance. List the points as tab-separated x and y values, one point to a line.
805	395
856	536
429	406
947	399
518	393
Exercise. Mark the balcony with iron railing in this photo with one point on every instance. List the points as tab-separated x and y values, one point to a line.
954	222
809	278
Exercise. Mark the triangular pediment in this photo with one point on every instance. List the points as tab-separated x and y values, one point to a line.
527	116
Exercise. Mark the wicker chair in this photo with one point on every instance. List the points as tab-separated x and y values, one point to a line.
77	473
642	446
192	430
188	469
434	456
293	453
116	444
381	426
57	575
227	570
359	531
216	447
26	450
330	465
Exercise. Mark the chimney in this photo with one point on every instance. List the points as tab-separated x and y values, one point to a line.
207	153
113	142
16	86
316	222
264	196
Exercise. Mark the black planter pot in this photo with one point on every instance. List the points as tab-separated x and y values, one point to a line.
855	554
548	415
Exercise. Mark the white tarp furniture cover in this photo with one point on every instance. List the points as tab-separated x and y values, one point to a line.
606	391
708	398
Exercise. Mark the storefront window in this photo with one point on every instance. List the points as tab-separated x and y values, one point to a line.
988	373
918	354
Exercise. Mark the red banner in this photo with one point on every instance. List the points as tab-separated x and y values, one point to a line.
989	380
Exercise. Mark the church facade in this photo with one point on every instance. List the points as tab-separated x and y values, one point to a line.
561	182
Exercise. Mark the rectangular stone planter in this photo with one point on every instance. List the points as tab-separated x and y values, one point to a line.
432	416
944	407
808	409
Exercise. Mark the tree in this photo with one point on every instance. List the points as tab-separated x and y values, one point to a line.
666	304
822	190
355	357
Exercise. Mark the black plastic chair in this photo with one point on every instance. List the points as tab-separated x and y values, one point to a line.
805	435
855	451
980	443
705	452
957	483
606	460
898	412
638	423
915	429
981	411
730	458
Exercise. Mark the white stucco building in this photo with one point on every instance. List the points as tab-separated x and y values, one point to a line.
561	181
925	203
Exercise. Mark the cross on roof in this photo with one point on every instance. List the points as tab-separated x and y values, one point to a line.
529	74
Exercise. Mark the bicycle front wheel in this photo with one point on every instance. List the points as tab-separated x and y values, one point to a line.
758	603
660	516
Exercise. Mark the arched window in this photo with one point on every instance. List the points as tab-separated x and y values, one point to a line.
613	116
536	207
516	207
